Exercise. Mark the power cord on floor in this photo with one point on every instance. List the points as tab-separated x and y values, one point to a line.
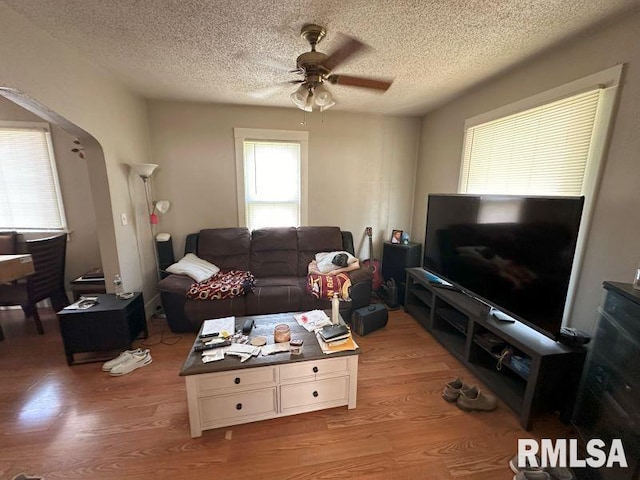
164	339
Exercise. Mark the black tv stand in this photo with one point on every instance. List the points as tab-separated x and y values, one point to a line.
541	375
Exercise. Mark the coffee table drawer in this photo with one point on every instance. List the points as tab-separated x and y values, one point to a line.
300	370
318	392
236	406
237	380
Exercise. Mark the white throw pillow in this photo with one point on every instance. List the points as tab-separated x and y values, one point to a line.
324	261
195	267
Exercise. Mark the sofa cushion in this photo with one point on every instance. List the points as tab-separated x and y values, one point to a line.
274	252
197	311
273	299
194	267
312	240
228	248
278	281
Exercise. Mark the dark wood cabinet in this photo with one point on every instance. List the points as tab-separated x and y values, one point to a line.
396	258
539	374
608	404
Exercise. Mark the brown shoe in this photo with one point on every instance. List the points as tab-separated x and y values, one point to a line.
475	399
453	389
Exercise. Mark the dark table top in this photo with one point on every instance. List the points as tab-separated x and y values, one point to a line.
263	326
107	302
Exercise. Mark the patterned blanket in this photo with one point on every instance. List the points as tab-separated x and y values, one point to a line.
222	286
324	286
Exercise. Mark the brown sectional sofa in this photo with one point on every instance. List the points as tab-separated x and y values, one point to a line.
277	257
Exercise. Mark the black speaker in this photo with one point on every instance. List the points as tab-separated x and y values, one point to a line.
395	258
164	245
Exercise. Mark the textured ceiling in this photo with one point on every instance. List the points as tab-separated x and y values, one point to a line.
240	51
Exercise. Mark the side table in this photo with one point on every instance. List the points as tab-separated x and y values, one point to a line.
110	325
91	282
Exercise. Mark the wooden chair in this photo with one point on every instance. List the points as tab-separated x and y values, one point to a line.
47	281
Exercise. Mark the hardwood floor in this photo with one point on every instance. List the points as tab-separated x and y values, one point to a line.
77	422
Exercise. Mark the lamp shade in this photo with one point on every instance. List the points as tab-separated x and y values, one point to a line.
323	96
144	170
162	206
299	97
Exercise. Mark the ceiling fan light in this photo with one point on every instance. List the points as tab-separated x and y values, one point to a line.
308	106
327	106
299	97
323	97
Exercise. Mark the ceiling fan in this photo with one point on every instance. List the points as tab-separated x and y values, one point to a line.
316	68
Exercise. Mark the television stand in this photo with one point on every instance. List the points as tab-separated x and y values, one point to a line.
537	374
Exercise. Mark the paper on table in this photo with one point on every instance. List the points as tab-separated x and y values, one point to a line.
312	320
276	348
340	346
219	325
217	354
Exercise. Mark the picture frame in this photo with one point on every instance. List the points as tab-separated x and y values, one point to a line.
396	236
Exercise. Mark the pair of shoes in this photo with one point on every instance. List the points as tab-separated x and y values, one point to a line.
452	390
127	362
475	399
24	476
532	475
513	465
529	472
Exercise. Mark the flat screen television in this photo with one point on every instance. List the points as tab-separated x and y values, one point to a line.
514	253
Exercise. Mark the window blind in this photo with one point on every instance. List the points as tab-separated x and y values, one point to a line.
29	191
272	184
540	151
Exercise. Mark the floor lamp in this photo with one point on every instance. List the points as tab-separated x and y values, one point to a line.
144	171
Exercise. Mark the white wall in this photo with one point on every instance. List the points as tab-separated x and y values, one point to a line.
612	248
83	252
361	167
112	123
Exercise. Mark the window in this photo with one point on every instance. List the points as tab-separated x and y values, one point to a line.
271	169
550	144
543	150
30	196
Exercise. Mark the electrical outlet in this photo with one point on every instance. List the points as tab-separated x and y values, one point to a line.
123	219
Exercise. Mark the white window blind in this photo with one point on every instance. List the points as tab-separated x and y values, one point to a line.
540	151
272	184
29	191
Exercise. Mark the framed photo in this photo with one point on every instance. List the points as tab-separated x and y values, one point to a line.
396	236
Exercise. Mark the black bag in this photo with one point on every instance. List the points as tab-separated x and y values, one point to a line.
389	293
368	319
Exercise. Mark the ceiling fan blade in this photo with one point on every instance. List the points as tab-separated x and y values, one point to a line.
346	50
362	82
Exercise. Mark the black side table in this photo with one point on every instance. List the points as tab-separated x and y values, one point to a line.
110	325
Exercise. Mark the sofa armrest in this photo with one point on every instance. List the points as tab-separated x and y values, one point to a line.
361	286
173	294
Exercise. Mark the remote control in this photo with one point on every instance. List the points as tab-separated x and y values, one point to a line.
248	325
202	348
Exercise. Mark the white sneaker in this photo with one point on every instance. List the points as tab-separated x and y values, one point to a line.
107	366
133	362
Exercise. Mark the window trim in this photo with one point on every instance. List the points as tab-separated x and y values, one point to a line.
609	81
298	136
20	125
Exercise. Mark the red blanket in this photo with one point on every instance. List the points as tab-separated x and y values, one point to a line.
324	286
222	286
